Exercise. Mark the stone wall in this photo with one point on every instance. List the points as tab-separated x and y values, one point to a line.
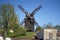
50	34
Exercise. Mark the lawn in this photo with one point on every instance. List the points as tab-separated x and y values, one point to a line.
28	35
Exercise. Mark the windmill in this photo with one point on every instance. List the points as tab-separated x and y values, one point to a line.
29	20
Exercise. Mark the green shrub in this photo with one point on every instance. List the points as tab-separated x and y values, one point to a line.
21	31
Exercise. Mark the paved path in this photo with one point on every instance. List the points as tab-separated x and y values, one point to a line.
23	39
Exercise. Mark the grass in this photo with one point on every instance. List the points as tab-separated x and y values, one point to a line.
28	35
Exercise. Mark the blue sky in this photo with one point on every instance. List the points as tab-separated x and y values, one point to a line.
49	13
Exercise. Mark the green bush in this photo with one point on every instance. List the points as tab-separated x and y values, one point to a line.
21	31
38	28
1	31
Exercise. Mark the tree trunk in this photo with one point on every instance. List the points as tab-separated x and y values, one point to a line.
4	37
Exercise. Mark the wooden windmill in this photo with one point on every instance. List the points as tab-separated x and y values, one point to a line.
29	20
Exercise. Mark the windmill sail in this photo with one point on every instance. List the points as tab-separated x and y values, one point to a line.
37	9
22	9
